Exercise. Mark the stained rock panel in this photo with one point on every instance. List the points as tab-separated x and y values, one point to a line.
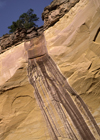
71	44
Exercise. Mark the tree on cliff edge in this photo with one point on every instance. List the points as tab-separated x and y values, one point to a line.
26	20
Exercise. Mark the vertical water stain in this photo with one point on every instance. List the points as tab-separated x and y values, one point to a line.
65	117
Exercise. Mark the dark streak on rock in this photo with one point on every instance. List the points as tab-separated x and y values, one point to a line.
58	89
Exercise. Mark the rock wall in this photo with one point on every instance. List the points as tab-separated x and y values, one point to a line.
74	44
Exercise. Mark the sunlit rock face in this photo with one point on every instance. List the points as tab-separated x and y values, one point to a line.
74	45
20	116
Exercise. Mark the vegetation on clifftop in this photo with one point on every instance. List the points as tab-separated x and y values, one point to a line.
26	20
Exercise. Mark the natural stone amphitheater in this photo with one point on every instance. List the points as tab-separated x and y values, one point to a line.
50	76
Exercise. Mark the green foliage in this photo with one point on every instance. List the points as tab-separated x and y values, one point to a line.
26	20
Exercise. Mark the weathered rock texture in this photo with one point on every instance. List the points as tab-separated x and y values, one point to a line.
20	116
74	44
56	10
18	36
8	40
53	95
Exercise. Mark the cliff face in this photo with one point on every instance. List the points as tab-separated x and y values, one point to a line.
74	44
20	116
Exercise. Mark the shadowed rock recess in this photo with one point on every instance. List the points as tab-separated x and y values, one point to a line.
50	81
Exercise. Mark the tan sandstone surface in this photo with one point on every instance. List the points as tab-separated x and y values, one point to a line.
71	44
74	44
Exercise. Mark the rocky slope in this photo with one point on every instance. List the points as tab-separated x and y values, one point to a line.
74	44
20	35
56	10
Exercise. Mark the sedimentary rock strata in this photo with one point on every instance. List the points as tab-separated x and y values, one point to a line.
19	36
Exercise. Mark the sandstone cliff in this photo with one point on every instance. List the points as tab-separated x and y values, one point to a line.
74	44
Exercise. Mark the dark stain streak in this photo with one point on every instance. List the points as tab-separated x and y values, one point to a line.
89	66
96	34
60	96
54	94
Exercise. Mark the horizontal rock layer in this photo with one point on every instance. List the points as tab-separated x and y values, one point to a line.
18	36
